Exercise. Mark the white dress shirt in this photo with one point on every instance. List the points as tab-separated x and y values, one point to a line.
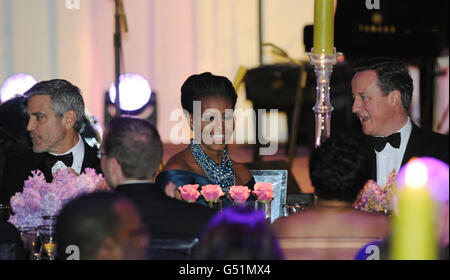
391	158
78	156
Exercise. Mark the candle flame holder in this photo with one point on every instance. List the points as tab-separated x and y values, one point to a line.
323	68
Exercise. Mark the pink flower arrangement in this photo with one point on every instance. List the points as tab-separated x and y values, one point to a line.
374	198
239	194
40	198
264	191
189	193
212	193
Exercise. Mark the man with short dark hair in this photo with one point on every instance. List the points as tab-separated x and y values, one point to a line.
382	93
101	226
56	110
131	155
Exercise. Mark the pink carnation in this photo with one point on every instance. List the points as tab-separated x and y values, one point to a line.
40	198
189	193
36	179
239	194
212	192
85	184
264	191
51	204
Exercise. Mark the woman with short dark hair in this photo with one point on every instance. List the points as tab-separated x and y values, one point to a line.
206	161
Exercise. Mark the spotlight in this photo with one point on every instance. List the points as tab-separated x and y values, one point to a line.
15	85
136	98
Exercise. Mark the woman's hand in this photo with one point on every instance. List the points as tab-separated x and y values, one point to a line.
171	191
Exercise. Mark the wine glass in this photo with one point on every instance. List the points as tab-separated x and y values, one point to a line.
48	240
28	235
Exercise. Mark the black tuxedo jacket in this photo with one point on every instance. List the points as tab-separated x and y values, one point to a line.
421	143
167	217
19	169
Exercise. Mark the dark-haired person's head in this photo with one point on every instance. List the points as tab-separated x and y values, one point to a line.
201	86
131	150
13	123
239	233
56	111
382	91
216	98
339	168
103	226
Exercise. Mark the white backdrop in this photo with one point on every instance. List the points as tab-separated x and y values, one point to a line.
168	40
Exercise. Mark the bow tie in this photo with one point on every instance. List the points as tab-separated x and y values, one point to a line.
52	159
380	142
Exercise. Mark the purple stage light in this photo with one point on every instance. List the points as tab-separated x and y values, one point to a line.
437	178
135	92
16	84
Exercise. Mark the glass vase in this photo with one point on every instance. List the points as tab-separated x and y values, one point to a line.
216	205
264	206
49	220
29	237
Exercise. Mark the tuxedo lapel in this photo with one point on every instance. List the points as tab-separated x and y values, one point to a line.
45	168
90	158
372	158
413	143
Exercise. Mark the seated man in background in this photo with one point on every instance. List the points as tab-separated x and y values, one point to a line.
56	110
382	95
338	169
131	155
102	226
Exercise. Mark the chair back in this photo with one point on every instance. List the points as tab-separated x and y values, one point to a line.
323	248
172	248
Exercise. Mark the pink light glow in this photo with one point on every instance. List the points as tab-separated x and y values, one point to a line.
16	84
437	177
135	92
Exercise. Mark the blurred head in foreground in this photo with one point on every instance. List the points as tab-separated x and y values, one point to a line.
239	233
104	226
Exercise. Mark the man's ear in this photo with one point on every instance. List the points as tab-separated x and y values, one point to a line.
113	168
69	118
395	98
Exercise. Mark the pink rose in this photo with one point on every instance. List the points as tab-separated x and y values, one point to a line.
239	194
264	191
189	193
212	192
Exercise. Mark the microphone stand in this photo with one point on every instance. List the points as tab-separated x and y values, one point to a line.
117	49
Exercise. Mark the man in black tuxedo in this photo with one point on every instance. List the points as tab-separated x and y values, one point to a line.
382	93
56	110
131	154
